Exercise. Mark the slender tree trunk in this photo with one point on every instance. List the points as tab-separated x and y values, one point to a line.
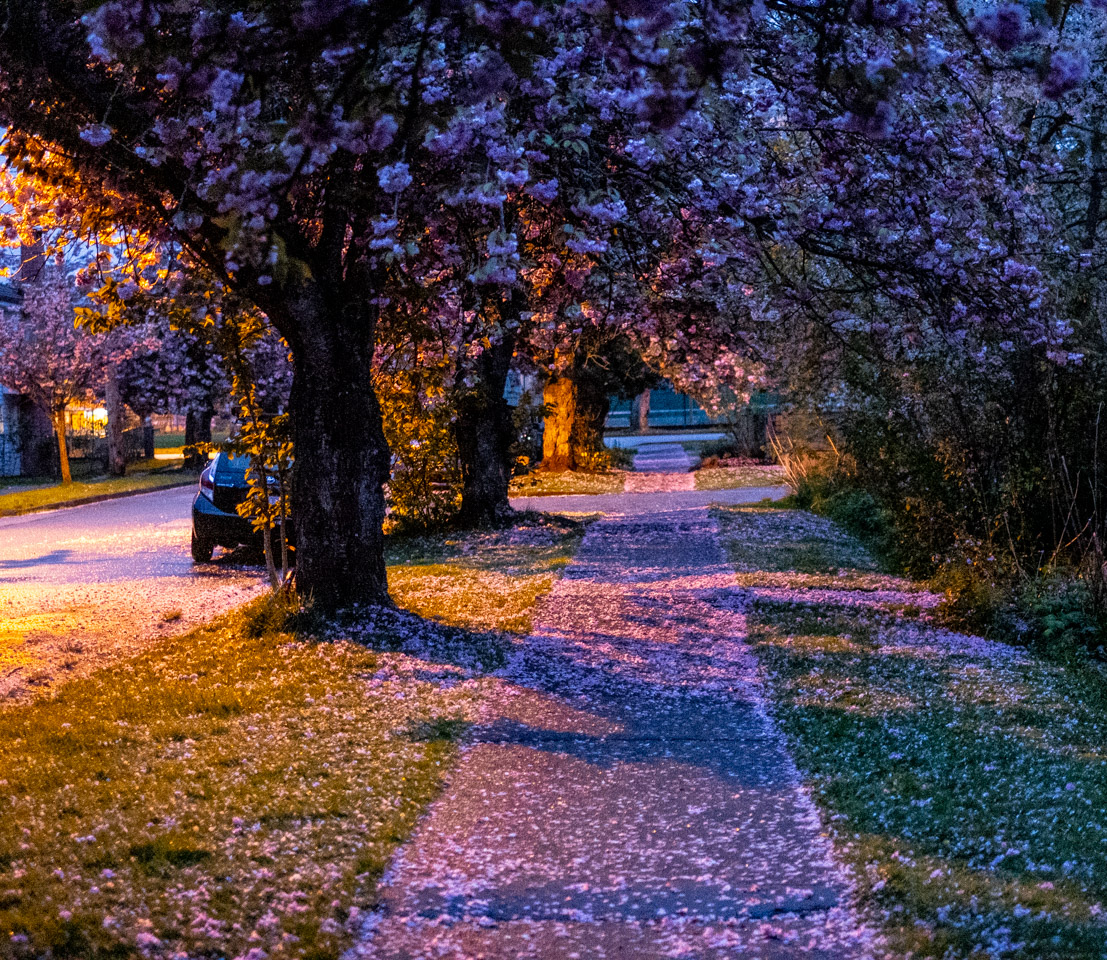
197	430
342	458
640	412
592	405
560	399
117	454
484	432
63	449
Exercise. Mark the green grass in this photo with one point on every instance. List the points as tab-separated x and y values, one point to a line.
730	478
174	442
483	581
147	475
542	484
244	785
966	782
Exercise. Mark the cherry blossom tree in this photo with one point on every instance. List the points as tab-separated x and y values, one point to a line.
46	357
306	154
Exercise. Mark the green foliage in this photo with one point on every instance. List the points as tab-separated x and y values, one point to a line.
603	461
281	612
986	591
267	443
425	487
723	448
976	594
619	458
1059	617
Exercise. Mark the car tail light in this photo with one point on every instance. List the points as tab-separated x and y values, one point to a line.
207	481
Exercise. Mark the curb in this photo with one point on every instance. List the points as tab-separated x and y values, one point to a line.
98	498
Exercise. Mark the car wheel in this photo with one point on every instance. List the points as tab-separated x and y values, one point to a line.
201	550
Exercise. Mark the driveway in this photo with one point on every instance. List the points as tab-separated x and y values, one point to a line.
83	585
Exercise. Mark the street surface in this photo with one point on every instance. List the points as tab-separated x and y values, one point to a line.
86	584
632	441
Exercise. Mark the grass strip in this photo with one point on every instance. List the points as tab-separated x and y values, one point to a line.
19	502
733	478
543	484
965	780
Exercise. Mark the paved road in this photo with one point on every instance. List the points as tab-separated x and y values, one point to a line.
80	585
630	441
626	796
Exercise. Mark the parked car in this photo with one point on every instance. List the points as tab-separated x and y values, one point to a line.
215	521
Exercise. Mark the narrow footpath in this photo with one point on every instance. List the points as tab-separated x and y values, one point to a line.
660	465
627	796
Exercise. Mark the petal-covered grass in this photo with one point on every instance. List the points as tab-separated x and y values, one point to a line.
966	780
241	787
540	483
487	581
732	478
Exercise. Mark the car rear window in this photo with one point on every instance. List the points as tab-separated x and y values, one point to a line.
231	467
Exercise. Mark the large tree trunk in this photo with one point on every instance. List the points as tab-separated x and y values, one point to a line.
592	405
560	400
197	430
640	412
484	432
342	459
117	454
63	448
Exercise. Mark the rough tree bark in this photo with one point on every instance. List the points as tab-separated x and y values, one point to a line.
342	458
117	454
586	433
484	432
560	399
640	412
197	430
63	448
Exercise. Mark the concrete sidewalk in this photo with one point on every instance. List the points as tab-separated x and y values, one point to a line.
662	457
627	795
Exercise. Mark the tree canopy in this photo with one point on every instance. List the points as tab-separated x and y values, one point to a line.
723	182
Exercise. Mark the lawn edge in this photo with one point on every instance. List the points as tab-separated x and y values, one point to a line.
6	513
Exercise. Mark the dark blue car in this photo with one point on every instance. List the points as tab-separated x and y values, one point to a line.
215	523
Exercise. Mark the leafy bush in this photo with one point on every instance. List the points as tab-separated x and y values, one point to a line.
1058	616
858	512
976	598
617	458
721	449
425	486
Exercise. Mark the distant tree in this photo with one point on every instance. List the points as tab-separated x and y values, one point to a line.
46	357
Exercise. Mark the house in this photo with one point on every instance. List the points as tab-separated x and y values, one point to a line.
26	438
26	435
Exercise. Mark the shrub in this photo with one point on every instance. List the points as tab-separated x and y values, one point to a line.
722	449
1057	615
425	487
975	597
